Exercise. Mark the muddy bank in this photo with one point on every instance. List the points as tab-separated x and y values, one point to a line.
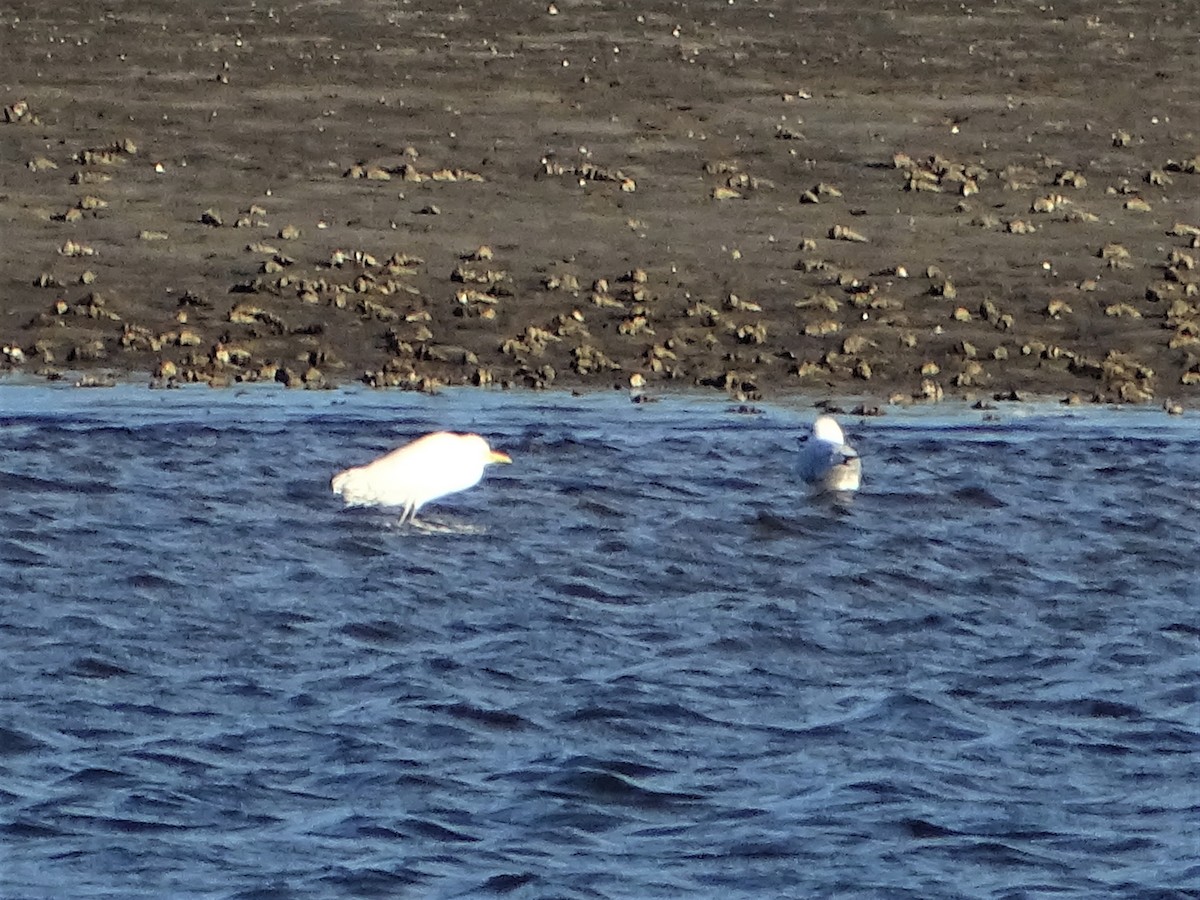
931	200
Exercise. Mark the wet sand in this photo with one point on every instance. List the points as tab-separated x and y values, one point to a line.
760	198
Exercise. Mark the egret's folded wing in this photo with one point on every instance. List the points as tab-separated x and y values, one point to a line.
360	487
391	480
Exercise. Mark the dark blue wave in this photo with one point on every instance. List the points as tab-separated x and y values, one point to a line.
639	662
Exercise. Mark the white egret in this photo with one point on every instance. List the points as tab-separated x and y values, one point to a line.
430	467
827	462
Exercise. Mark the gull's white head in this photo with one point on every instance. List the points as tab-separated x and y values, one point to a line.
826	428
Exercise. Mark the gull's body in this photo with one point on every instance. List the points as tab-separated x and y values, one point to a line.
430	467
827	462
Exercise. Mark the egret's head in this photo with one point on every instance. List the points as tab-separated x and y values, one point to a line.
827	429
480	447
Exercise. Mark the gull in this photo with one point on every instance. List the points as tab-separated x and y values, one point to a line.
827	462
430	467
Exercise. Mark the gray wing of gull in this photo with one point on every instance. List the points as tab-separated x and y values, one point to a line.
830	466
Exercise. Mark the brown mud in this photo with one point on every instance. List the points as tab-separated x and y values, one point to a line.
903	199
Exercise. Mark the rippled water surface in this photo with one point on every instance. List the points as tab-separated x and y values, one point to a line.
639	662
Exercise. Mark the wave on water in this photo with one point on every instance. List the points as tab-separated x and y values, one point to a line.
641	661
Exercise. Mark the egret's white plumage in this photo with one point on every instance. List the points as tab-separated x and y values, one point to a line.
430	467
827	462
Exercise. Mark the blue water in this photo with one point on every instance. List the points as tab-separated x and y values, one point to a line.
639	662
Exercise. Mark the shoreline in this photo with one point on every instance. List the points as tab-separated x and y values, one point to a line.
849	406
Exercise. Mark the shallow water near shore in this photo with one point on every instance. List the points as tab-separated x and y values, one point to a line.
639	662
